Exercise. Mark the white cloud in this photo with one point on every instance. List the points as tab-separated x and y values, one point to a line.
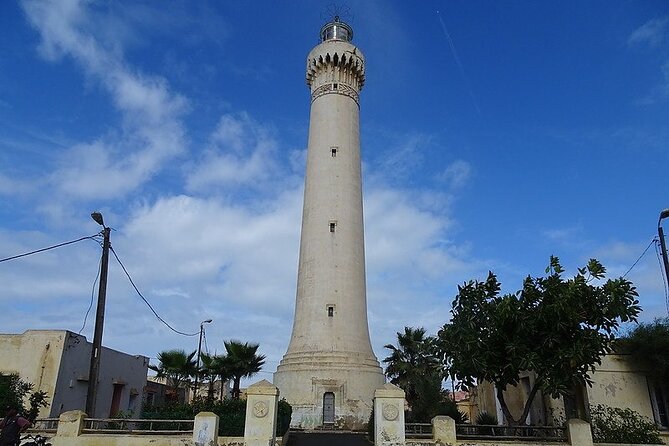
241	152
457	174
653	32
152	132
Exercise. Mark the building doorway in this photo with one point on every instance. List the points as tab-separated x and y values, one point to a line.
328	408
116	400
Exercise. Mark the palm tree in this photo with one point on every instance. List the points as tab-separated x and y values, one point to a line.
414	367
215	366
176	366
244	362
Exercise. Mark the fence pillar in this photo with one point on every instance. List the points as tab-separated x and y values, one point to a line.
579	433
262	400
71	424
205	429
389	416
443	430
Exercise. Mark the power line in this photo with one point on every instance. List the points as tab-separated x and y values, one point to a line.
90	305
146	301
91	237
654	240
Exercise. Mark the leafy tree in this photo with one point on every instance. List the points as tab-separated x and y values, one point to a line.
13	392
213	367
414	367
176	366
649	345
558	328
243	362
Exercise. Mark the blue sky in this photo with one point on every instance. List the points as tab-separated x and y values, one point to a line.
494	134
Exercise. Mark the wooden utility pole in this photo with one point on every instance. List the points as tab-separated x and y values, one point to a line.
94	370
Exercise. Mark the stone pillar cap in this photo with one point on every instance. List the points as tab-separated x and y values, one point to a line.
389	390
263	387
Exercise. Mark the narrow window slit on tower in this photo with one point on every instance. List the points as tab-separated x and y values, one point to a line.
330	311
333	226
333	151
334	86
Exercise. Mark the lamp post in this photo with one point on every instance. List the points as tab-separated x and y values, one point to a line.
94	370
664	214
199	350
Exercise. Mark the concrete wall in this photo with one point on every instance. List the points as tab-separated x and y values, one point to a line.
620	383
57	362
617	383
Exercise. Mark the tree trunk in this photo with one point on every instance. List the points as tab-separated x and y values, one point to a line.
235	388
505	408
528	403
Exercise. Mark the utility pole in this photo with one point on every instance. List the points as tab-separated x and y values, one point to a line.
94	370
199	352
663	246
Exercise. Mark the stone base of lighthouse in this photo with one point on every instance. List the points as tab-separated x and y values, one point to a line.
329	388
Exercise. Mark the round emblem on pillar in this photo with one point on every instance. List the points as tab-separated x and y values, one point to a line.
390	412
260	409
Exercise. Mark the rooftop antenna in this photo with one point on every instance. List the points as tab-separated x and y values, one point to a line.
336	12
335	27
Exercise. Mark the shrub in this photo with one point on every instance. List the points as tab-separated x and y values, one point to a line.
231	414
615	425
486	419
13	391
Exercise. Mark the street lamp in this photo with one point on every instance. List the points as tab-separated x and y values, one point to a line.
94	370
199	350
664	214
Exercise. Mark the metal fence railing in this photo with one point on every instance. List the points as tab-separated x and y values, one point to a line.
47	425
527	433
418	430
146	426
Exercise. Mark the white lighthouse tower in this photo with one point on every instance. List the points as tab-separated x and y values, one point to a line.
329	372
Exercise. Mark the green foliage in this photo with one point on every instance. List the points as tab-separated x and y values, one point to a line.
243	362
13	391
414	367
448	406
215	366
285	412
371	427
231	413
615	425
649	345
486	419
176	366
558	328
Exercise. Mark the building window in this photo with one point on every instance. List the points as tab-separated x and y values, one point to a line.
333	152
333	226
330	311
659	397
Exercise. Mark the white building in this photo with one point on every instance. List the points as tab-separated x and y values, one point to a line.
329	373
57	362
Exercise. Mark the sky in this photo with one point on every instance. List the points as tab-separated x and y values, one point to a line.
493	135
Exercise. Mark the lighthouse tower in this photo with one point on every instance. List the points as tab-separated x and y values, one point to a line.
329	372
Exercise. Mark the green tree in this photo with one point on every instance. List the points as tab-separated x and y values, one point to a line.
414	367
13	392
648	344
176	366
215	367
243	362
558	328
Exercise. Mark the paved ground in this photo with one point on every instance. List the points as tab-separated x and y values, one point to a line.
327	439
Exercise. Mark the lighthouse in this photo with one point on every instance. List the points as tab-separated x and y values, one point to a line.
329	372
